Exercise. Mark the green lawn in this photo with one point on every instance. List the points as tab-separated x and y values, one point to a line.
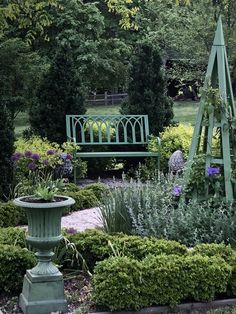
103	109
184	111
21	123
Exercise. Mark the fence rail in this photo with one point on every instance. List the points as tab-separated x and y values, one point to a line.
106	99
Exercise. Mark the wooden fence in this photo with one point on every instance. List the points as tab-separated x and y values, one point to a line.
106	99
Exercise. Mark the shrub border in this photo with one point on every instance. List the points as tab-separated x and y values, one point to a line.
184	308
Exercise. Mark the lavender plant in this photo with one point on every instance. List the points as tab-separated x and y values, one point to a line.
153	209
126	208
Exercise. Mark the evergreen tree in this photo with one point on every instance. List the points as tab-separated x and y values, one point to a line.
147	89
59	94
6	151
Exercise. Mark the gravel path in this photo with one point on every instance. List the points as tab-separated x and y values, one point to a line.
82	220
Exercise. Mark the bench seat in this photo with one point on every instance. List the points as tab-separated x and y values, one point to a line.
117	154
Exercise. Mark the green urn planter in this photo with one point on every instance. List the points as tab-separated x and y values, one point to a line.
43	287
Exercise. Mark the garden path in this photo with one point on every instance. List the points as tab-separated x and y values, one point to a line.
82	219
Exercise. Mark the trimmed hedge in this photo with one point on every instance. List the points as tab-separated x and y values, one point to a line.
117	283
83	199
98	189
14	261
224	251
86	197
11	215
93	245
13	236
125	283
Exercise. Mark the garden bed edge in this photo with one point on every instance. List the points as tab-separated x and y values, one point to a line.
201	307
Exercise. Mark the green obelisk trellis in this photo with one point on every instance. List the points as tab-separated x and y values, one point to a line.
221	118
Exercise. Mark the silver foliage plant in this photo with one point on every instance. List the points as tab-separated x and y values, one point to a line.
153	209
129	208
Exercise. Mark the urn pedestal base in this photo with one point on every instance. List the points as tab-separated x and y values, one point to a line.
43	294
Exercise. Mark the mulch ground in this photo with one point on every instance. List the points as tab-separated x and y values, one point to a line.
78	295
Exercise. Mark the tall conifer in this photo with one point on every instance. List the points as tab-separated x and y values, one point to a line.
147	89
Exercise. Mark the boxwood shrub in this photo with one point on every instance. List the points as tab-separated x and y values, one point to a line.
11	215
83	199
13	236
98	189
117	283
14	261
125	283
96	245
86	197
224	251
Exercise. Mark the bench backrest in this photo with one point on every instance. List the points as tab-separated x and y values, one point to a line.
107	129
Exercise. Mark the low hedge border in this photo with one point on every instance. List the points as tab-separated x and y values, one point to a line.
124	283
14	261
94	246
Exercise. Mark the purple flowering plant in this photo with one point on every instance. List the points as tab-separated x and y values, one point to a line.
41	155
211	171
37	159
177	190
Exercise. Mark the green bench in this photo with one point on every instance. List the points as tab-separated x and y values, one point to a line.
115	130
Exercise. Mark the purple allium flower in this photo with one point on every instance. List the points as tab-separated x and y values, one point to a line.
35	156
45	162
71	230
213	170
69	157
32	166
50	152
16	156
28	153
177	190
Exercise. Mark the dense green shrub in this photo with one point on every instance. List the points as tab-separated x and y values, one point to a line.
11	215
177	137
14	261
212	249
208	276
224	251
162	279
95	245
83	199
97	188
86	197
71	187
117	284
13	236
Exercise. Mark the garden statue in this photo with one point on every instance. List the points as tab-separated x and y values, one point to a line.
176	162
65	170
